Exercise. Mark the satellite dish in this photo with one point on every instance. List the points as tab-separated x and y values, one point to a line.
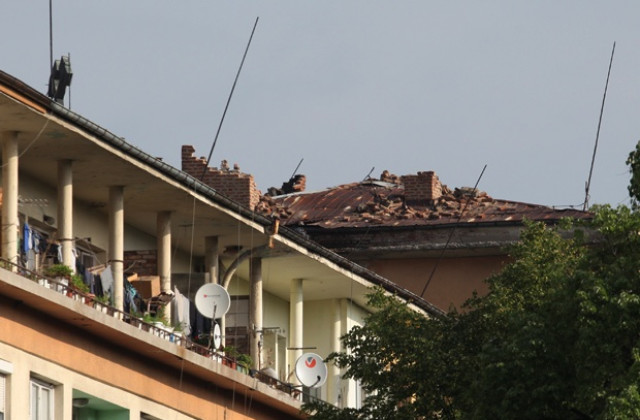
212	300
311	370
217	336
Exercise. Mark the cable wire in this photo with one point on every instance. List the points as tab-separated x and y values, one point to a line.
453	229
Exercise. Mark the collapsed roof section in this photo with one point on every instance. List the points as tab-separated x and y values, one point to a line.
403	201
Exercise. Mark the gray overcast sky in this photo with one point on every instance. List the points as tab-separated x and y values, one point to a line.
349	85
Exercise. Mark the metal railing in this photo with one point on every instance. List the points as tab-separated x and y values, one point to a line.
65	287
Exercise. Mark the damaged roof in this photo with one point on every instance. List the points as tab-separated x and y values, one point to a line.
378	203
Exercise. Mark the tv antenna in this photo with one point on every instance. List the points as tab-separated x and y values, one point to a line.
50	33
595	147
296	170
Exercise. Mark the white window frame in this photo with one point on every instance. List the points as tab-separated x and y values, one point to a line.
6	369
44	409
3	395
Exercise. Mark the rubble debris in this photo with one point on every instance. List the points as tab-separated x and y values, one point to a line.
374	203
296	184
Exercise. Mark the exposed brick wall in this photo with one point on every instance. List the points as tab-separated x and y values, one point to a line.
424	187
231	183
145	263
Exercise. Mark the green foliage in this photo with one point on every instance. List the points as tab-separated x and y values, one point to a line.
58	270
79	283
244	360
556	337
104	299
387	356
634	167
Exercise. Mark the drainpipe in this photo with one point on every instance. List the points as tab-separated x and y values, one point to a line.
228	275
211	258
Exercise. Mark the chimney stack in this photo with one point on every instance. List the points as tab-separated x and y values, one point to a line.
423	188
231	183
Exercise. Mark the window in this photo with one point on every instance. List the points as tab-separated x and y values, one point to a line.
6	369
41	400
237	324
3	399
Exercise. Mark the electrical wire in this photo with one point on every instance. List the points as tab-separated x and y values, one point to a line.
44	126
453	229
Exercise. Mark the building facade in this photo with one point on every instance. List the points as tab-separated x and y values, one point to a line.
76	195
438	242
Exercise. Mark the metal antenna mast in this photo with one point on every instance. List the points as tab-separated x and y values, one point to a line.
296	170
204	171
50	34
595	148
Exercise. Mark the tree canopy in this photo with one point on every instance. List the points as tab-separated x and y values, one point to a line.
557	336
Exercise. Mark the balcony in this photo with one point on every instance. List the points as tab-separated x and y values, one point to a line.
64	302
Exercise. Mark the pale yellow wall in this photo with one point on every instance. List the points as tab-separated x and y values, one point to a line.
89	222
318	315
454	280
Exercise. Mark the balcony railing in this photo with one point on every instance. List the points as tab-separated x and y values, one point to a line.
66	288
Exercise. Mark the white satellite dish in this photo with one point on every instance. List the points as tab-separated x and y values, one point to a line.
311	370
212	300
217	336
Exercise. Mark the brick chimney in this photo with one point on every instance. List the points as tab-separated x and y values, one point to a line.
231	183
423	188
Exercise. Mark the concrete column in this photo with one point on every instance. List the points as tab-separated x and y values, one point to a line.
296	318
349	389
10	222
211	255
65	212
255	312
333	381
116	243
164	255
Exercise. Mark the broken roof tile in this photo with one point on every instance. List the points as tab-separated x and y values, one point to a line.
383	203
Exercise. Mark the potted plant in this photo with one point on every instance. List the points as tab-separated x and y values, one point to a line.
244	363
231	354
58	271
78	283
62	274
